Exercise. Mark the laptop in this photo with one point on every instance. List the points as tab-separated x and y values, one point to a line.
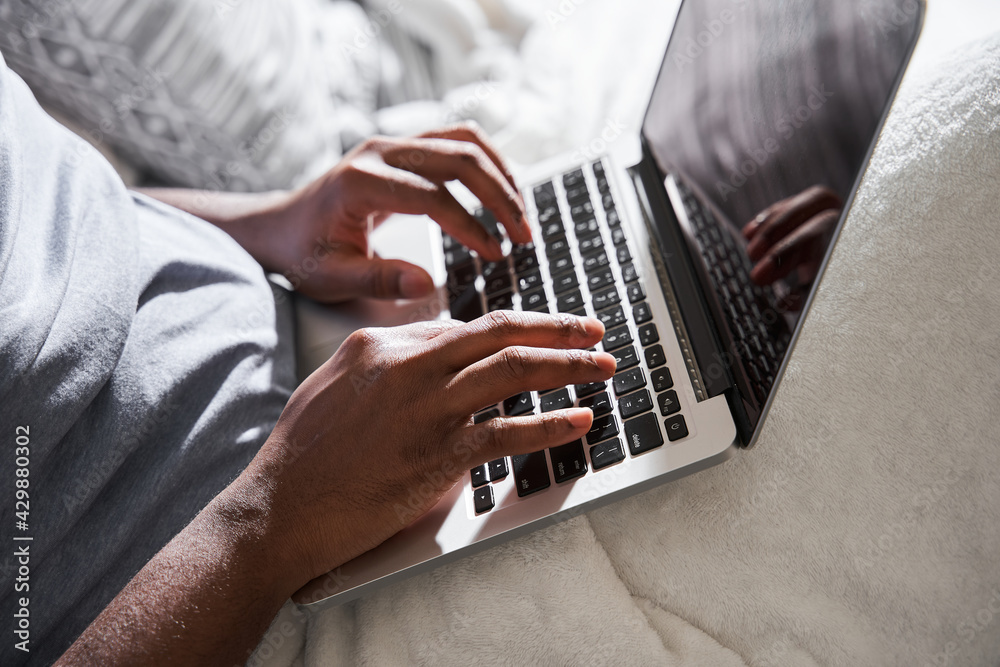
756	102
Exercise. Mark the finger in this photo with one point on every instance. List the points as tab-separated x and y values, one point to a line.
471	132
517	369
505	436
786	218
442	160
804	245
388	279
413	194
491	333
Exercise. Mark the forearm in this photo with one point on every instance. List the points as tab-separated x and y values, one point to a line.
205	598
250	218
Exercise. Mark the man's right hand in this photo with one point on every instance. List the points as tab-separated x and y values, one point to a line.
373	439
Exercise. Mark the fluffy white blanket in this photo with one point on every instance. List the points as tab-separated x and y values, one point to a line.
862	529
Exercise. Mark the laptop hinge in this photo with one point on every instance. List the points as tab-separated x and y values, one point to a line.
706	362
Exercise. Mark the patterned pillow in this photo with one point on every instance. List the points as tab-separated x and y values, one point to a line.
215	94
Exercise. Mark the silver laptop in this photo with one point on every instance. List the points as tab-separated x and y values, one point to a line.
756	102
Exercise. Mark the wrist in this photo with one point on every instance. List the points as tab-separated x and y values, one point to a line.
245	523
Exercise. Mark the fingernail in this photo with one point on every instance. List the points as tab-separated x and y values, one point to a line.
604	361
761	273
580	417
414	284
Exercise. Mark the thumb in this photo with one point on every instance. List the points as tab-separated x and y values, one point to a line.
392	279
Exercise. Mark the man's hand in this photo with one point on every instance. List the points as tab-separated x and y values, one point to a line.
375	437
367	444
792	236
318	236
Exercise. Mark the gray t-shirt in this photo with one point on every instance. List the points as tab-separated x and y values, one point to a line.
144	359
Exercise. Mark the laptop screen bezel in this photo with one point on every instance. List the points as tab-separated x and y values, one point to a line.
749	436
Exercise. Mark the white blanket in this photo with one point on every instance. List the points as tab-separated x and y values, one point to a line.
862	529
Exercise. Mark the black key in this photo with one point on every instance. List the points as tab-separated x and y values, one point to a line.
560	264
556	246
629	273
556	401
598	169
626	357
582	211
648	334
668	403
643	434
590	244
483	499
498	469
523	249
521	404
456	256
552	229
618	236
563	282
467	305
635	404
525	263
586	228
676	428
602	185
613	219
529	281
600	404
569	302
641	313
573	179
504	301
498	282
629	380
600	279
595	262
616	338
479	476
623	254
530	472
535	300
607	453
568	461
635	292
544	193
607	201
661	379
605	297
603	428
611	317
462	275
590	388
486	415
448	241
577	194
655	357
549	214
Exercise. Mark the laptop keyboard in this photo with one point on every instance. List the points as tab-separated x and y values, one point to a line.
581	263
758	330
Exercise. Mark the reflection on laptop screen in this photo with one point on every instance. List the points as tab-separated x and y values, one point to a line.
758	101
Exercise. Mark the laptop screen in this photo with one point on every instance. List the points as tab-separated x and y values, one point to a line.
766	110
